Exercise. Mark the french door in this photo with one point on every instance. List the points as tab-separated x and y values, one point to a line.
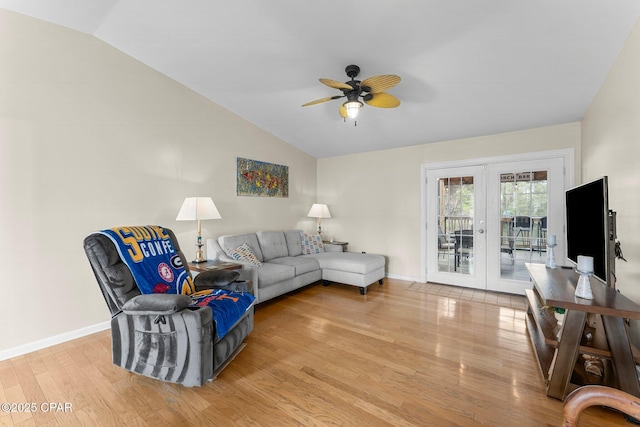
456	220
484	222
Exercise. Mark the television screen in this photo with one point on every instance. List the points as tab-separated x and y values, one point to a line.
587	209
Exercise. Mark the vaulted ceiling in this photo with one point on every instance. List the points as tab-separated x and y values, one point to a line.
468	67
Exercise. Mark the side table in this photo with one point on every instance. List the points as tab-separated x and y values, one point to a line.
212	265
343	244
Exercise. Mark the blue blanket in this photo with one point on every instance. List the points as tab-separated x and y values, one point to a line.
157	268
227	307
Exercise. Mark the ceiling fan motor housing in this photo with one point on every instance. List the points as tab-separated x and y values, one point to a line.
352	96
355	86
352	71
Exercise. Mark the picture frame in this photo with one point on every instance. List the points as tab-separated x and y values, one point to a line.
261	179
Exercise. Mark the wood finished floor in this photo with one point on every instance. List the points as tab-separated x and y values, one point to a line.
406	354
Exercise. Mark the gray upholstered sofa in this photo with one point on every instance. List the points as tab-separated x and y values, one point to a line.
284	267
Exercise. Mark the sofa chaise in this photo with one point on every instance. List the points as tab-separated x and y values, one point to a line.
281	261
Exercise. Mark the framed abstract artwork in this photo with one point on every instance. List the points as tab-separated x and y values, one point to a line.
256	178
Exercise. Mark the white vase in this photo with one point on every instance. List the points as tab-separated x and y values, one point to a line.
559	317
583	288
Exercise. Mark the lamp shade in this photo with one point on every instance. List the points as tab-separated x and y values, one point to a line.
319	210
197	208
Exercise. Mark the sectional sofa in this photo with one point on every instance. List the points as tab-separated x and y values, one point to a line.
280	261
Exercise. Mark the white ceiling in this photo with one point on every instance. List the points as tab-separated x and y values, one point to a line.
468	67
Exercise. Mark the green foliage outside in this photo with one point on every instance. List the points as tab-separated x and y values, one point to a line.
524	198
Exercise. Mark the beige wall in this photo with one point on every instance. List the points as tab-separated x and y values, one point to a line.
90	139
375	197
611	146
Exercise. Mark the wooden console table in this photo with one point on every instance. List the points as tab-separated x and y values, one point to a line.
559	348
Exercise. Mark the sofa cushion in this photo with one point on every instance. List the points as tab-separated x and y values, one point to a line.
301	265
311	243
294	243
244	253
231	242
270	274
351	262
273	244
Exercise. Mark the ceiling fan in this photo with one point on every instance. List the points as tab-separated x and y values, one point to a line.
371	90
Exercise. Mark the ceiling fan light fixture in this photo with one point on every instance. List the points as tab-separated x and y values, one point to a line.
353	108
371	91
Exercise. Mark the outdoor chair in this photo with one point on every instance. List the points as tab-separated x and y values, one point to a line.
446	243
542	234
510	247
523	225
464	246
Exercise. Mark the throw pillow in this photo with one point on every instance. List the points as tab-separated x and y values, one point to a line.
244	253
311	243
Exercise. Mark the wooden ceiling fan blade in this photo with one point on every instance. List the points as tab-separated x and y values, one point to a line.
321	100
335	84
381	83
383	100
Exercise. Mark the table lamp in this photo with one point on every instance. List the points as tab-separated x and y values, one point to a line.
198	208
319	210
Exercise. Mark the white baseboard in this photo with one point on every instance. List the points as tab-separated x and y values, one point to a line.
56	339
401	277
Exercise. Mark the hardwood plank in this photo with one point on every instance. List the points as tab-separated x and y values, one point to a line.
405	354
31	388
14	394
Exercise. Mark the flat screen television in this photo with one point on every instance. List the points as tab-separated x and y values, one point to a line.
588	225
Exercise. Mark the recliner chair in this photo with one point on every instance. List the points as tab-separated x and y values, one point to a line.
160	335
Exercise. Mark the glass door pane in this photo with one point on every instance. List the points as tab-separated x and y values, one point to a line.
455	234
523	207
523	199
455	224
